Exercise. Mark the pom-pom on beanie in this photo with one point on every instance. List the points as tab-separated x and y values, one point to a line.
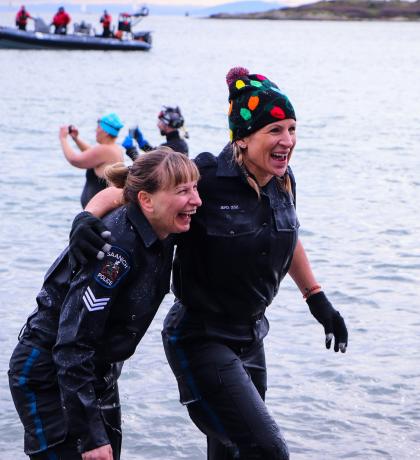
254	101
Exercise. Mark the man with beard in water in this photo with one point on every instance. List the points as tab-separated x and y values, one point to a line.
170	121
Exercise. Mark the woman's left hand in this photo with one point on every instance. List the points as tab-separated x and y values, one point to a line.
330	318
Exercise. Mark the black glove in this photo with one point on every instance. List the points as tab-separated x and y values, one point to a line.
132	153
331	319
89	238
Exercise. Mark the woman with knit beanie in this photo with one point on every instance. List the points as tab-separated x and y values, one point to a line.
228	268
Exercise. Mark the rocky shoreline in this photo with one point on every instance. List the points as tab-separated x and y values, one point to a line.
339	10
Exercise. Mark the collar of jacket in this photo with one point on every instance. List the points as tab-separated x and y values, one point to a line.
141	224
226	166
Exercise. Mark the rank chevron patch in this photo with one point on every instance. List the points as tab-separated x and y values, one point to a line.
92	303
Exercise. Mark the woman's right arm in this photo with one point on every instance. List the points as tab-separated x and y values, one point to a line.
105	201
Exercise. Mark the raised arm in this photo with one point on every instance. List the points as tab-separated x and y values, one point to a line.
105	201
320	307
90	157
74	134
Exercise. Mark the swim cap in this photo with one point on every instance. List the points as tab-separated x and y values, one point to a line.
254	102
171	117
111	123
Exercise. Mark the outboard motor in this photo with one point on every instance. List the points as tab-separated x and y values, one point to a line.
143	36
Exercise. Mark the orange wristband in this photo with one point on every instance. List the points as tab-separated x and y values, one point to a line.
308	291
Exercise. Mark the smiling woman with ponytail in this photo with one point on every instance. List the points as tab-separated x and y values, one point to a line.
90	317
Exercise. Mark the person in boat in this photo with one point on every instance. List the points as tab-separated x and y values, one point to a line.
170	121
106	20
124	22
22	17
93	158
227	271
63	373
60	21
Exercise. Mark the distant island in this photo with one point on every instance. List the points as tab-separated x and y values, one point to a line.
338	10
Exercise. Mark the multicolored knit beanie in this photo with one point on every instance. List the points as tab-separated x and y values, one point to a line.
254	102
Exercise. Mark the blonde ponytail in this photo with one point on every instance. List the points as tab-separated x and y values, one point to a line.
116	174
239	160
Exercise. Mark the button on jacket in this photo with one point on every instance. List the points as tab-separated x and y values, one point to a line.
101	314
239	247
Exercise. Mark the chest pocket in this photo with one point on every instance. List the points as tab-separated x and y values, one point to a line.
231	223
285	217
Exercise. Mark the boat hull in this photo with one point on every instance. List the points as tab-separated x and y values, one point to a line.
18	39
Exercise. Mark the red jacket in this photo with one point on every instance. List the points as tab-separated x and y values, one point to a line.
22	17
106	20
61	19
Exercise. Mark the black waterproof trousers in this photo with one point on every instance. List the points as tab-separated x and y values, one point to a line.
35	392
221	374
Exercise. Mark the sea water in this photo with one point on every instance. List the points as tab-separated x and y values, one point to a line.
356	90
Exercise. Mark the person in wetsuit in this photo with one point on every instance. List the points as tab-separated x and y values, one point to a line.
228	269
22	17
170	121
89	319
93	158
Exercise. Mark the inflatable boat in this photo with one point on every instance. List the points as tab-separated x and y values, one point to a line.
81	39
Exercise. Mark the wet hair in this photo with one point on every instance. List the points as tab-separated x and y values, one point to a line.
238	158
160	169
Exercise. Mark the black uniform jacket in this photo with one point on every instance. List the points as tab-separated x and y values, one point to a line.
101	313
239	246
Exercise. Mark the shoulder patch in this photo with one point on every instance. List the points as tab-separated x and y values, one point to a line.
113	268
